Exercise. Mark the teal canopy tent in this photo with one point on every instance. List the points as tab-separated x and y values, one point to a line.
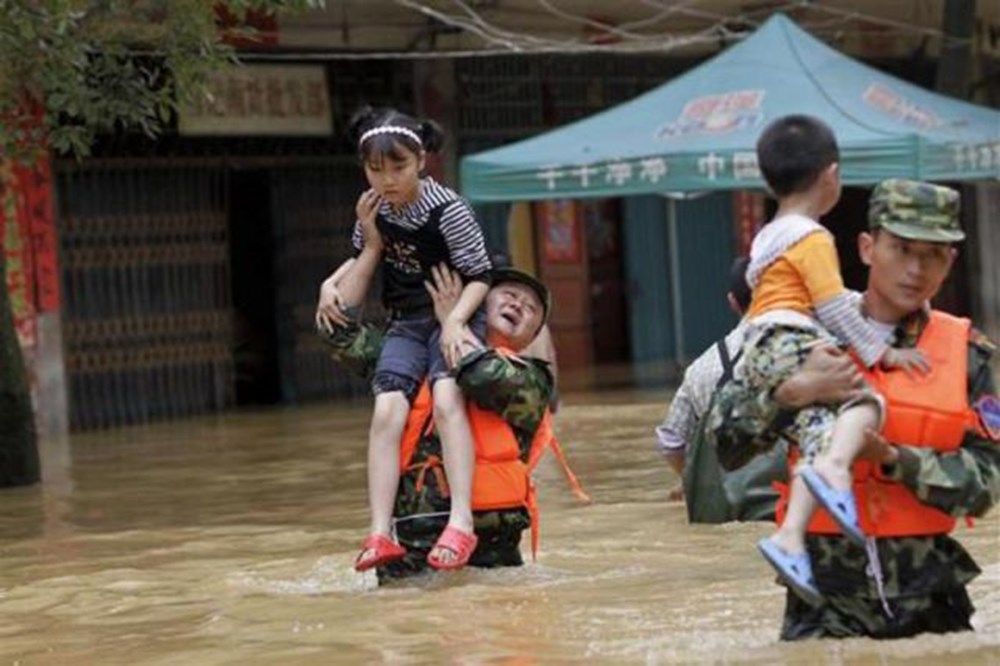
698	132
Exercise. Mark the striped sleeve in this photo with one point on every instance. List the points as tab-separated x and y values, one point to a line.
466	243
841	316
357	238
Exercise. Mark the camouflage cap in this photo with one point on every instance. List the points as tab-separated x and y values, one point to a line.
510	274
915	210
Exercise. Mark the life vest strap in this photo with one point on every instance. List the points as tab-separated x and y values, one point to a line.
545	438
571	479
536	528
431	464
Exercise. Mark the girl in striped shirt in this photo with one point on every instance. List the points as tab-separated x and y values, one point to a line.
417	224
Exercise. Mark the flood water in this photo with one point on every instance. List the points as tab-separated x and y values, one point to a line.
230	540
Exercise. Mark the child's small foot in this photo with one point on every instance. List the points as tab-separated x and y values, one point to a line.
378	550
840	504
795	570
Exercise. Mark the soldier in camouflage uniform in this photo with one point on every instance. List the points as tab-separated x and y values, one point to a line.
896	586
517	389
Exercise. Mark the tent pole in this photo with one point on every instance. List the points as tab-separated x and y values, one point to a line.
675	280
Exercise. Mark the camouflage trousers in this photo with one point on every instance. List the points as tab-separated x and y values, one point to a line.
775	354
499	544
924	581
938	613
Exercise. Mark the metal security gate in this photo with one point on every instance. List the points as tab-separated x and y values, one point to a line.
147	308
313	211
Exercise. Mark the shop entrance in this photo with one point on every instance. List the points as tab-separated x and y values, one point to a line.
580	258
251	262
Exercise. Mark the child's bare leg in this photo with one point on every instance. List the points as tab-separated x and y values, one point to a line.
848	438
388	421
457	448
790	537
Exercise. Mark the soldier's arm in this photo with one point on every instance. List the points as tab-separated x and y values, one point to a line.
745	423
965	482
355	346
517	389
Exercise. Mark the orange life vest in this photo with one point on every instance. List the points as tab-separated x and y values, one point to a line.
930	411
501	480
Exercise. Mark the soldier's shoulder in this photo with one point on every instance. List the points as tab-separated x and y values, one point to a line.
542	367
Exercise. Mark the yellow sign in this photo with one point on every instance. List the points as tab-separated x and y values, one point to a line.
252	99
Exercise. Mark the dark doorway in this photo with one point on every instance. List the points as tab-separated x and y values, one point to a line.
251	261
606	266
846	221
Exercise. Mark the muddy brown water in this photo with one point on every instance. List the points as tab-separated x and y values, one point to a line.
230	540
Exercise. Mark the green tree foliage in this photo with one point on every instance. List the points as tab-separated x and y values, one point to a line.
71	70
92	67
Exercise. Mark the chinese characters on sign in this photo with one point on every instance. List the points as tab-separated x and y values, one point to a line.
620	174
976	157
262	99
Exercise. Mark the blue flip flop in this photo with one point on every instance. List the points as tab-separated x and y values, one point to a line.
839	504
794	570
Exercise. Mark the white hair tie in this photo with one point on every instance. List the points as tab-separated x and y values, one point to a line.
390	129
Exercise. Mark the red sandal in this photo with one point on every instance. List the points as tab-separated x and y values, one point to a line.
381	551
462	544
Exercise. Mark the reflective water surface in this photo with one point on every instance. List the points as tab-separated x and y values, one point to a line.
231	539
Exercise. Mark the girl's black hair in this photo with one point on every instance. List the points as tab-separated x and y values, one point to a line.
389	144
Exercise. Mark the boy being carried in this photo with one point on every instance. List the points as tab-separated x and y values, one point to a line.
799	301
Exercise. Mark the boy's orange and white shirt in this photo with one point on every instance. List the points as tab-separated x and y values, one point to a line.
793	267
776	238
795	276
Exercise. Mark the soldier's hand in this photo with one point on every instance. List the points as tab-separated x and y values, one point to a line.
457	341
445	290
878	449
329	311
828	375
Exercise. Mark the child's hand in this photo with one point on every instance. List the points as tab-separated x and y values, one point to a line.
329	312
913	361
366	209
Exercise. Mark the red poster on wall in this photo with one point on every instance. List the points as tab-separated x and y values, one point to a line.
38	218
560	232
749	218
17	257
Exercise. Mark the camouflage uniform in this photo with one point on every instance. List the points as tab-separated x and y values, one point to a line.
774	355
518	390
916	210
924	577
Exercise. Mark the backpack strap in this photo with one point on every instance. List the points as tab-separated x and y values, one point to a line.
728	364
